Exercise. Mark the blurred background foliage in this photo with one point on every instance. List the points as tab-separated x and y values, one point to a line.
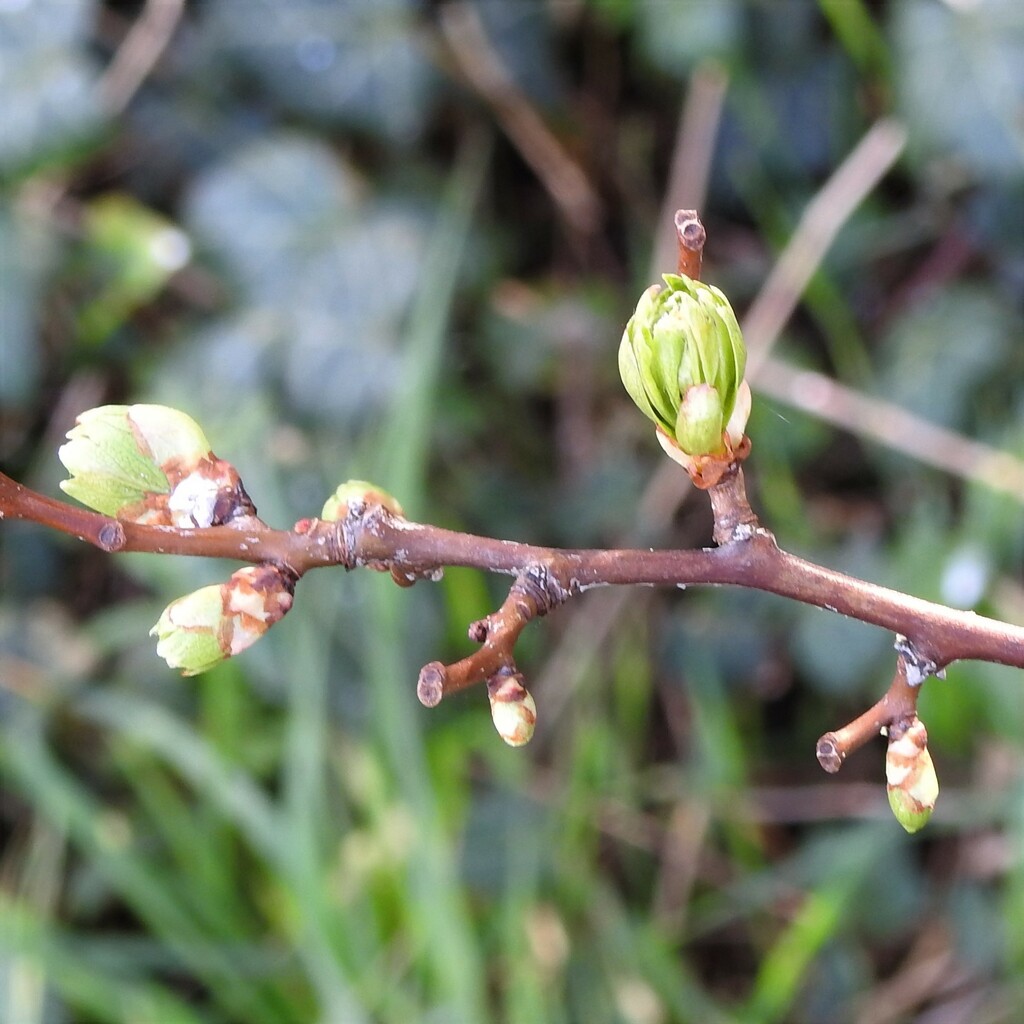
398	240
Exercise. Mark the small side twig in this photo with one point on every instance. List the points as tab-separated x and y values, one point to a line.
897	707
536	591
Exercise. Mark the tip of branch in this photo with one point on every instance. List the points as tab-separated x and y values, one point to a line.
829	754
430	685
691	237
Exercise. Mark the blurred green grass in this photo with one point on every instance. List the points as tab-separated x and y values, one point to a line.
377	286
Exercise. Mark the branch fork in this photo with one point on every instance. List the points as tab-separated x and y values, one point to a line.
536	591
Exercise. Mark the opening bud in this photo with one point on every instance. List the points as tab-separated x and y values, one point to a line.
682	360
513	710
200	629
152	465
911	782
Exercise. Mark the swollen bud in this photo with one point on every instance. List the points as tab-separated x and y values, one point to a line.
682	360
911	782
217	622
513	710
354	493
151	465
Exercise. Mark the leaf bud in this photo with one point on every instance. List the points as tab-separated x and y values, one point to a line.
513	710
357	493
684	338
198	630
911	782
152	465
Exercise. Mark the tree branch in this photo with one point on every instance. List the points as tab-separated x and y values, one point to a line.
371	532
372	537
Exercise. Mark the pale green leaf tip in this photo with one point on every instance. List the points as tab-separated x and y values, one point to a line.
188	631
357	492
699	425
907	812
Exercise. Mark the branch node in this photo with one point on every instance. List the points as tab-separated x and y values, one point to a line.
543	587
342	541
896	708
918	666
110	536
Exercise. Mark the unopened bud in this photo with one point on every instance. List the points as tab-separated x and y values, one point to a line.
911	782
513	710
152	465
354	493
217	622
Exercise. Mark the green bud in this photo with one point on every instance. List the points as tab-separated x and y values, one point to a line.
149	464
357	492
911	782
683	337
200	629
188	631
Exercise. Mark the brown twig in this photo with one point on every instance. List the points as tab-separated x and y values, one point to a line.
535	592
691	236
929	635
899	705
370	536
